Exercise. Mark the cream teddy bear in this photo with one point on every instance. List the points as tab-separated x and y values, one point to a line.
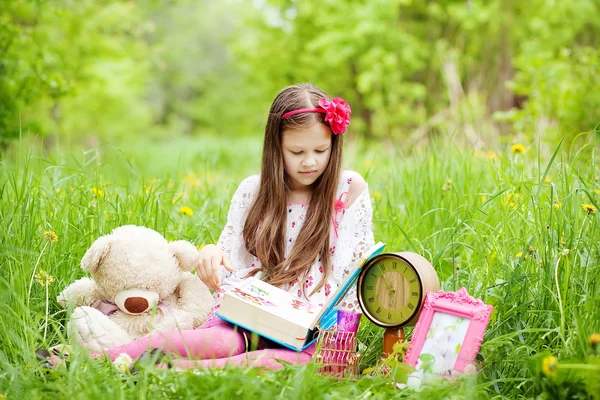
140	285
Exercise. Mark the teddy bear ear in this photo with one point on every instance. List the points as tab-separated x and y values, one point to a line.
96	254
185	253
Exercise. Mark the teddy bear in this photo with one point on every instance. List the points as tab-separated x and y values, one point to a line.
141	284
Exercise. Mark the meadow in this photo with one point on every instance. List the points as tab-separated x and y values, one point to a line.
516	225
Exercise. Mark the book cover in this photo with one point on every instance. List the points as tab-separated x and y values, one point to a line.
281	316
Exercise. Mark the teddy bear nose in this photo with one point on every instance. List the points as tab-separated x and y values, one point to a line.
136	301
136	305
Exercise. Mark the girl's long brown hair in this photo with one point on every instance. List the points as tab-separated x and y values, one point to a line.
265	228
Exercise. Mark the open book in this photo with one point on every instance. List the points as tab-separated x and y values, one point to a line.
281	316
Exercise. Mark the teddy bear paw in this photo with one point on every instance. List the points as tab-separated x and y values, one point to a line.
95	331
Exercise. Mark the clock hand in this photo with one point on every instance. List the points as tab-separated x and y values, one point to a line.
387	283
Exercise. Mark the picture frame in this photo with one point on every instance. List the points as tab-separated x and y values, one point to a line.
449	332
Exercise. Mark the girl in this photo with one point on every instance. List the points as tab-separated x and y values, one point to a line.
298	225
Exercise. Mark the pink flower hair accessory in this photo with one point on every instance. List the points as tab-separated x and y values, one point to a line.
337	114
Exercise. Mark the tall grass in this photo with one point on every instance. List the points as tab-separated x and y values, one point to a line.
510	228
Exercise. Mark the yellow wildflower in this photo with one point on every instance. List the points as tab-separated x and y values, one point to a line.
200	246
595	339
550	365
548	179
43	278
510	197
483	198
51	214
377	195
367	163
186	211
191	179
51	236
2	396
589	208
98	192
557	204
517	149
492	155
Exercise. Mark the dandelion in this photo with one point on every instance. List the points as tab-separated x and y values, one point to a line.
517	149
483	198
51	236
589	208
43	278
509	198
185	210
557	204
377	195
51	214
550	365
519	254
123	362
98	192
594	340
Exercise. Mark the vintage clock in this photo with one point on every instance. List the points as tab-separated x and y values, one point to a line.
391	291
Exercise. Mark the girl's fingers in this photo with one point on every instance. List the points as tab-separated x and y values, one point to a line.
227	263
215	264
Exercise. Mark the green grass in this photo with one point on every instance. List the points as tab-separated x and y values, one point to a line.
498	224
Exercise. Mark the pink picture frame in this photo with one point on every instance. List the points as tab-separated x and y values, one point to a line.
449	332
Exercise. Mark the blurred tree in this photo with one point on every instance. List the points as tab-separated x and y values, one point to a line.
72	68
195	86
409	66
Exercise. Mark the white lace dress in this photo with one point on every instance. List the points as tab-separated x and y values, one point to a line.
351	236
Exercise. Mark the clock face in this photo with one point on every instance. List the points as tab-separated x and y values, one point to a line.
390	291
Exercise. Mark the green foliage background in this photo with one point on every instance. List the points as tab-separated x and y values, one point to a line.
95	72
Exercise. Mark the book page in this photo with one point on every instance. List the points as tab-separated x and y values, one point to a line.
275	301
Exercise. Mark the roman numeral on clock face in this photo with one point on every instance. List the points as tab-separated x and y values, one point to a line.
371	299
411	306
415	293
394	265
378	311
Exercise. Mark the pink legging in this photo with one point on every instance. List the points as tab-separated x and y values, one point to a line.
214	345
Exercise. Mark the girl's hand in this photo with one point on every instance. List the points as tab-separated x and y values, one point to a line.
209	263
